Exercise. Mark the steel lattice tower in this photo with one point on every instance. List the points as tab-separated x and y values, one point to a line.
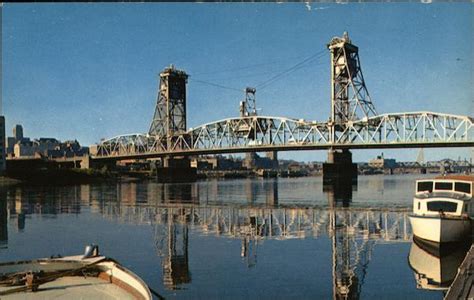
170	112
248	107
350	98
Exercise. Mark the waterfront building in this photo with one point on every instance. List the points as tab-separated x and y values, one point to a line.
20	146
254	161
49	147
30	148
218	162
381	162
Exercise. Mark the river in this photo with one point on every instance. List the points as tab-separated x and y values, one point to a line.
248	238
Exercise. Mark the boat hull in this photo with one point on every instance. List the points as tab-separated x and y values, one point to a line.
106	280
440	229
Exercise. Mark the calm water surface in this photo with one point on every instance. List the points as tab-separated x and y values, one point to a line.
255	238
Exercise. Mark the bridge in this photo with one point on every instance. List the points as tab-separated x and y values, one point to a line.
261	134
353	124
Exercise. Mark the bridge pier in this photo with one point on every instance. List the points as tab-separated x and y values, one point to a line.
176	169
339	168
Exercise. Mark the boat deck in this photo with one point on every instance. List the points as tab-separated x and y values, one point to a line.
73	287
463	285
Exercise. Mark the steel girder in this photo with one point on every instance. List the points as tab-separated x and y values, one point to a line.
263	133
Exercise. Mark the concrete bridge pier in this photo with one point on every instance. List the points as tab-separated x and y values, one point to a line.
339	168
85	162
176	169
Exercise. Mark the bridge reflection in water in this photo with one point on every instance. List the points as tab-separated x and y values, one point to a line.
175	210
353	231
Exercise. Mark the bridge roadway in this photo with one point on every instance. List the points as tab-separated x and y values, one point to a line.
264	133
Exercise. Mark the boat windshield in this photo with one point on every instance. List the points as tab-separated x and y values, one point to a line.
444	206
462	187
425	186
444	186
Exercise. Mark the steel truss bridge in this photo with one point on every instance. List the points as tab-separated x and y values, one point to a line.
353	124
261	133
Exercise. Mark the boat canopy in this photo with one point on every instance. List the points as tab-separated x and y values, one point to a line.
462	185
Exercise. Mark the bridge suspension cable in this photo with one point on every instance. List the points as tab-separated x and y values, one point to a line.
299	65
295	67
249	67
218	85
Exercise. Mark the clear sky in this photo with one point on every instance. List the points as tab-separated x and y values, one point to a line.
90	71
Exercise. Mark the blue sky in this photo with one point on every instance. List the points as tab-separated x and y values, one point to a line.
90	71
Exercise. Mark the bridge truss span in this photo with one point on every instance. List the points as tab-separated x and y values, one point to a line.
409	128
266	133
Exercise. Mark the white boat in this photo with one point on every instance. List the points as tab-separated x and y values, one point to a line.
88	276
442	209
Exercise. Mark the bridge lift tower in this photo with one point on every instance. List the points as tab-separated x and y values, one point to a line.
248	108
169	121
350	101
170	111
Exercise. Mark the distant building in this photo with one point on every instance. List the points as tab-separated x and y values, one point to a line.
67	149
254	161
2	145
18	132
30	148
17	137
50	148
20	146
217	162
381	163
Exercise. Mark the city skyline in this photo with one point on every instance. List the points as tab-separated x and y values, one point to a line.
90	71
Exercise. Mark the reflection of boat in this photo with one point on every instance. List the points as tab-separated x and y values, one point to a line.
442	211
435	267
86	276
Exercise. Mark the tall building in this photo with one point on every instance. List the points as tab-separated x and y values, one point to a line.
2	145
17	137
18	132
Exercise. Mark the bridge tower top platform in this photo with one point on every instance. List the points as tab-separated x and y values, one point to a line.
170	111
350	100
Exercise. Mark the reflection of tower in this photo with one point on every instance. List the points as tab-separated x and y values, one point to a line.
85	194
175	260
3	220
339	193
271	192
128	193
181	193
350	256
250	191
248	250
19	209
